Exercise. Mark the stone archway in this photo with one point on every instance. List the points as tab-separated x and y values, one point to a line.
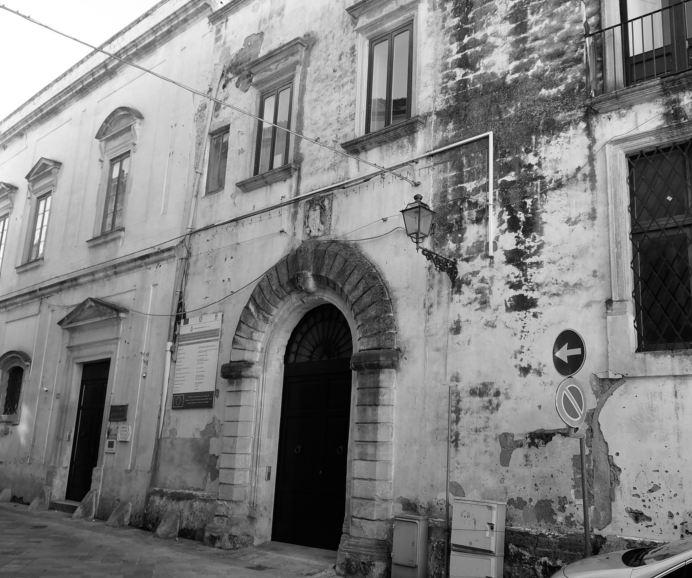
341	273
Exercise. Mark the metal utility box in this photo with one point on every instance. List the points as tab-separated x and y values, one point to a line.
478	538
410	547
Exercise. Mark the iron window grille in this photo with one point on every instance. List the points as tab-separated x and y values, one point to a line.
390	60
218	155
272	142
660	184
40	227
115	193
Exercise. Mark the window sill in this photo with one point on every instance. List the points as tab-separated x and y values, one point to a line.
29	265
383	136
268	178
113	235
625	360
642	92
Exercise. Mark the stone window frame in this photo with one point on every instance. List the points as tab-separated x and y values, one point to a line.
42	182
279	67
117	136
7	192
623	357
373	19
9	361
214	161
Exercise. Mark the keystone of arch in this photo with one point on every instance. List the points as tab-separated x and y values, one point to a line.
334	265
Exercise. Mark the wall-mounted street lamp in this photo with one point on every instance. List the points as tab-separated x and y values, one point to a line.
418	220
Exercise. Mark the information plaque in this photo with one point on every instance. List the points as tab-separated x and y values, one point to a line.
197	358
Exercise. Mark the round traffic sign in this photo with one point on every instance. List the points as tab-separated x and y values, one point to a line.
569	352
570	402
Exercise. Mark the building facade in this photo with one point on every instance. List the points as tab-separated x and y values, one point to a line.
272	357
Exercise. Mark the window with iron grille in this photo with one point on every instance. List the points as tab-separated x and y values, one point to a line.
272	142
115	193
40	228
660	185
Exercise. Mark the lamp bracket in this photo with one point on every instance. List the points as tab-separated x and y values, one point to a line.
441	263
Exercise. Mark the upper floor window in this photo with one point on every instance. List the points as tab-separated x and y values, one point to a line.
660	185
7	192
117	138
218	154
40	226
4	220
115	192
272	142
389	78
276	78
641	40
42	183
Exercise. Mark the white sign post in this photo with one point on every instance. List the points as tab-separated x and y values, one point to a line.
570	403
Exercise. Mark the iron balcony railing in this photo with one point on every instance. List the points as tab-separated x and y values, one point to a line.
653	45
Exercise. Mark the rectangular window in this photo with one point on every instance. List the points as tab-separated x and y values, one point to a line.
40	227
218	153
4	220
389	79
272	142
660	184
115	193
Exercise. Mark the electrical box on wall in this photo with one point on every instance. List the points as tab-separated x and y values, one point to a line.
478	538
110	446
410	547
124	433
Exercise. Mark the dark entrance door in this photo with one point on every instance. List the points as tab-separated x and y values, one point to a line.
311	476
87	431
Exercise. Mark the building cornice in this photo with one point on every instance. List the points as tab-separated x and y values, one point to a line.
86	275
104	70
227	10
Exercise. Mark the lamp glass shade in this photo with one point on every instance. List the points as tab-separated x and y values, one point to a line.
417	219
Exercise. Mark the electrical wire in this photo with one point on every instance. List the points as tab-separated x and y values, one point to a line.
313	140
228	295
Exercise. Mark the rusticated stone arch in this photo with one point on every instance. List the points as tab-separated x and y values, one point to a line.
335	265
316	272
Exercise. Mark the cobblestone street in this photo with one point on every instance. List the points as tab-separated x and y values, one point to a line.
53	544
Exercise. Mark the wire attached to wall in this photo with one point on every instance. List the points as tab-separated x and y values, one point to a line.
313	140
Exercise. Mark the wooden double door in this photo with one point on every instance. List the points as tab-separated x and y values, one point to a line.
311	476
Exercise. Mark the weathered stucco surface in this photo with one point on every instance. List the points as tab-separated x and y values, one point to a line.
453	383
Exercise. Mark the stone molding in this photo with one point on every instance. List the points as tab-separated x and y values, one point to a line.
341	269
336	265
375	359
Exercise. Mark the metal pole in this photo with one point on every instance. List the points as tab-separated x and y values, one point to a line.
585	498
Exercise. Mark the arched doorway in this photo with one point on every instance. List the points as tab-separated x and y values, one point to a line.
313	441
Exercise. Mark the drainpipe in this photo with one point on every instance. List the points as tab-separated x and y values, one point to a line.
164	389
181	278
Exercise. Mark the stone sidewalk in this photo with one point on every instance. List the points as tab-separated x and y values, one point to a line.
53	544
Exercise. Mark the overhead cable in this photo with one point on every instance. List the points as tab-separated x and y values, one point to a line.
315	141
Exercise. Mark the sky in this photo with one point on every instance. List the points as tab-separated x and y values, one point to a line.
31	57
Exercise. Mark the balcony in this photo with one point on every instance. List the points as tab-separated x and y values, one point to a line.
653	45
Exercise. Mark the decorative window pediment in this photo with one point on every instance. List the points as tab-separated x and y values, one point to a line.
92	310
7	192
43	169
278	65
121	119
